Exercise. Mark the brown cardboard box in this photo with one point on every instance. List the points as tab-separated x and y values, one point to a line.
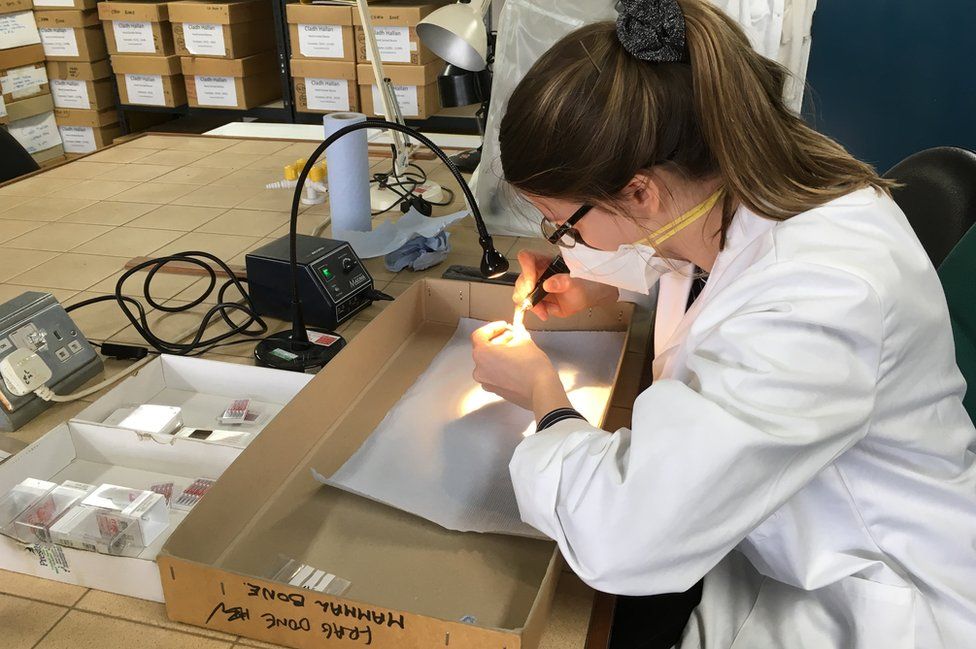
230	30
231	83
78	5
31	122
17	25
412	581
324	86
71	35
415	87
22	73
86	70
49	157
82	94
85	139
94	118
24	108
136	27
150	80
395	24
321	32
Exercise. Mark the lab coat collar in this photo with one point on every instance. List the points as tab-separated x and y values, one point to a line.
673	322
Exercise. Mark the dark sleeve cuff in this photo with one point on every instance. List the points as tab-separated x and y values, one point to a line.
556	416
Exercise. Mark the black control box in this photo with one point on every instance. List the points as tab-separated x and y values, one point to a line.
332	281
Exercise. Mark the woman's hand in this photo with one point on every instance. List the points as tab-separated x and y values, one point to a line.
510	365
567	295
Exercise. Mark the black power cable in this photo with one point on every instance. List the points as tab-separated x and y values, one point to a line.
198	345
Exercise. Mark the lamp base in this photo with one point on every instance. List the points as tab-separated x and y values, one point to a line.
281	352
467	161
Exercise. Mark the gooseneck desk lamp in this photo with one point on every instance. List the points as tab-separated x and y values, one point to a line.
308	355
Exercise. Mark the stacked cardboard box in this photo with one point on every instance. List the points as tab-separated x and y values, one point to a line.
144	60
227	52
323	58
77	66
26	108
410	66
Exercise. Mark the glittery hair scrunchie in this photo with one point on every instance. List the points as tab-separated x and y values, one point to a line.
652	30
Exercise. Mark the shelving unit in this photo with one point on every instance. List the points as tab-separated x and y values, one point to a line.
283	110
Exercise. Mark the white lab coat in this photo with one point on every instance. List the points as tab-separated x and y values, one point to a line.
803	447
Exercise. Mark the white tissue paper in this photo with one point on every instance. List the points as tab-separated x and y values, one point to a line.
442	452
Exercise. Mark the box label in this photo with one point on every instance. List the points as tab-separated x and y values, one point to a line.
78	139
215	91
36	133
134	37
406	97
145	89
54	3
327	94
3	113
320	41
23	82
18	29
393	44
204	39
70	94
59	41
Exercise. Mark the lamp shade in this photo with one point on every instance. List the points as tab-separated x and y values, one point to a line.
457	34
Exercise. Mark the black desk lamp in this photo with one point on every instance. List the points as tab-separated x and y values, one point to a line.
308	355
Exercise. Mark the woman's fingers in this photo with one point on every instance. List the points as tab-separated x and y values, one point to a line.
483	335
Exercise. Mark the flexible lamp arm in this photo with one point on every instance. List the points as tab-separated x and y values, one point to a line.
493	263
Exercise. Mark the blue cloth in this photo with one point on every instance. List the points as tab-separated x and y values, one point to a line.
419	253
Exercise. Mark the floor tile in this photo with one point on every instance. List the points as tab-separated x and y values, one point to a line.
225	160
125	242
248	177
259	147
97	189
82	630
122	154
173	157
25	622
153	192
223	196
44	209
139	610
276	200
12	229
45	590
186	143
81	170
164	285
58	237
177	217
194	175
14	262
223	246
7	201
139	172
257	223
69	270
10	291
35	186
247	642
109	213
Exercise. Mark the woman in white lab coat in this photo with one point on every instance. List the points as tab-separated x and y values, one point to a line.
803	446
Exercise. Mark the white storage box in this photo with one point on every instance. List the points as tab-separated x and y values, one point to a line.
86	450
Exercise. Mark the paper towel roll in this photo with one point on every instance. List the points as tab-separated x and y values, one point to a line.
348	164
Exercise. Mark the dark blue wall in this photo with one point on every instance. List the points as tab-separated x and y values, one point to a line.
890	77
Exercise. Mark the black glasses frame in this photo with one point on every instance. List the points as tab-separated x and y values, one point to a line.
567	229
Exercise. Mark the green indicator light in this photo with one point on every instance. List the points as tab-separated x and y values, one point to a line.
327	273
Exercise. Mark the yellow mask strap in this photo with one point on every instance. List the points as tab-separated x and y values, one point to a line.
664	233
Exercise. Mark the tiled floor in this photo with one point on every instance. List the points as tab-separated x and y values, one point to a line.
69	232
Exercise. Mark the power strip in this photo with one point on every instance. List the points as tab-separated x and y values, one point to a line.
35	325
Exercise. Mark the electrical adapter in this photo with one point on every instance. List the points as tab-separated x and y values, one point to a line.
23	371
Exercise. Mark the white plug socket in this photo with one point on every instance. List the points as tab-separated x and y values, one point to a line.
23	371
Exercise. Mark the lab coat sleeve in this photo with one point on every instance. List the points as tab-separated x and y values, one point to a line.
779	387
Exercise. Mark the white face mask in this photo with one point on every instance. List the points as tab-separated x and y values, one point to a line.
636	266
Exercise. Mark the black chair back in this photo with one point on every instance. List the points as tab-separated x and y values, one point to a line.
938	196
14	159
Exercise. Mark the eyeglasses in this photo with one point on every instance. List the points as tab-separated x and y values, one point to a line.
565	235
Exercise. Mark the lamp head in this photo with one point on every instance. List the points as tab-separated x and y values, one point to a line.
493	263
457	34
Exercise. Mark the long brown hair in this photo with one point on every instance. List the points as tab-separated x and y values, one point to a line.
588	116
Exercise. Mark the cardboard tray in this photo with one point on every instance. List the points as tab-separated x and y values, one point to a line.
412	581
86	450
